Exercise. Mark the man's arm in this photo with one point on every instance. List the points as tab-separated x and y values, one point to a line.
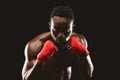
35	56
31	66
84	64
87	58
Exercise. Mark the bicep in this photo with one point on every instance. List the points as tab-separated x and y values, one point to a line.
31	50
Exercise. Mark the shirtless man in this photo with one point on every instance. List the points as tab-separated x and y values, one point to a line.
60	54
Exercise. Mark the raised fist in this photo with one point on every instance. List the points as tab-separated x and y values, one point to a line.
48	49
77	46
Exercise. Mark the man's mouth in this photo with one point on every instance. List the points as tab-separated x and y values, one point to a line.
61	40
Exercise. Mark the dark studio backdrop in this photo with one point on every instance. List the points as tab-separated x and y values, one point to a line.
26	19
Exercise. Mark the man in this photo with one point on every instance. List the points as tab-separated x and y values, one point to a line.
60	54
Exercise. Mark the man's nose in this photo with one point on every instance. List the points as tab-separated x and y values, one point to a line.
60	34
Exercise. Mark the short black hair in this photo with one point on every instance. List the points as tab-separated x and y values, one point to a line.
62	11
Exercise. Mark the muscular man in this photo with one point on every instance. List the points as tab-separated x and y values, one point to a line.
60	54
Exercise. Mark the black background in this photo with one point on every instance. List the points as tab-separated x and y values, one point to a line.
96	20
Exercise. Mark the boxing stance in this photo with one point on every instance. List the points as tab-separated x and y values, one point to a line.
60	54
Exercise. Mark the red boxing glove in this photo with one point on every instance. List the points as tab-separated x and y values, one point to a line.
77	46
46	51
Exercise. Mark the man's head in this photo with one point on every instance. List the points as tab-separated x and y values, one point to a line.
61	24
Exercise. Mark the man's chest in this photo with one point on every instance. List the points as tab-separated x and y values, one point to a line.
63	58
59	66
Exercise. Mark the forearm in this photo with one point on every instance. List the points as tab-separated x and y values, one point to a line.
34	73
91	66
85	67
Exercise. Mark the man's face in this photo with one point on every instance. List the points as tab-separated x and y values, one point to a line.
61	29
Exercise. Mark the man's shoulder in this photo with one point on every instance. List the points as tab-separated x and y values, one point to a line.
81	38
36	44
41	37
39	40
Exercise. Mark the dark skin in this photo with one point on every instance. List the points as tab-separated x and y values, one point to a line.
56	67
